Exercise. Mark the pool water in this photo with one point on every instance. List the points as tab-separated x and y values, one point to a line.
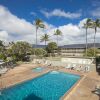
50	86
38	69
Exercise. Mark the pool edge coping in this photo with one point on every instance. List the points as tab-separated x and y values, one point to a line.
63	97
24	80
69	92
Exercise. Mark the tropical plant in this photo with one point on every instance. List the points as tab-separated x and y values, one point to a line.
96	24
3	53
45	38
3	56
87	25
90	52
1	43
57	33
51	47
38	24
40	51
19	50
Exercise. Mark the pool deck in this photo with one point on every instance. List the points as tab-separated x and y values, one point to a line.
20	74
81	91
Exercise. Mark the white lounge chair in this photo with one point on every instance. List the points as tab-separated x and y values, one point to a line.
46	62
78	69
35	61
74	65
68	66
3	71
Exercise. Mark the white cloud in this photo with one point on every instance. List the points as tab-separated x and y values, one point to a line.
33	13
75	34
13	24
96	12
14	29
96	3
61	13
3	35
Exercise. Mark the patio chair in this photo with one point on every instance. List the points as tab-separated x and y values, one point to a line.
45	62
34	61
74	65
3	71
87	68
79	68
49	64
97	91
68	66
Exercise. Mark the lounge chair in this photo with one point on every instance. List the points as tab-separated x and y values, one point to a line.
38	62
97	91
68	66
87	68
3	71
49	64
45	62
74	65
77	68
34	61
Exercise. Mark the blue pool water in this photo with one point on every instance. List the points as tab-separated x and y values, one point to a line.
38	69
50	86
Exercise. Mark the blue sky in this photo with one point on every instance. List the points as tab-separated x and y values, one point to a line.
17	18
24	8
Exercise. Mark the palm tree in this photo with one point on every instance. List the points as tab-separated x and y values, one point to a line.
96	24
86	26
1	43
45	38
38	24
57	33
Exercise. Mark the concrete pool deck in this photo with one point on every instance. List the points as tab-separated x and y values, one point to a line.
82	90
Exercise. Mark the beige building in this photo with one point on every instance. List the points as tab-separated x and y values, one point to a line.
76	49
73	50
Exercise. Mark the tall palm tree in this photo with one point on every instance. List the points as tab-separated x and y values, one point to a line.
57	33
38	24
45	38
96	24
1	43
86	26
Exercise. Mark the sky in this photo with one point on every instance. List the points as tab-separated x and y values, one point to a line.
17	19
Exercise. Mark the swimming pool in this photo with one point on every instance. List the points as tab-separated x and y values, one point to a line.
38	69
50	86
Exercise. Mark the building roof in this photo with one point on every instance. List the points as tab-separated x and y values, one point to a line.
38	46
89	45
72	46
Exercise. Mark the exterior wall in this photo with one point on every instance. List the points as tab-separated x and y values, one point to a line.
77	61
72	52
81	61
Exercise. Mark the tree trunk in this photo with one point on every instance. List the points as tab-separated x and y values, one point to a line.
94	40
57	40
45	44
36	36
86	43
57	44
36	41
